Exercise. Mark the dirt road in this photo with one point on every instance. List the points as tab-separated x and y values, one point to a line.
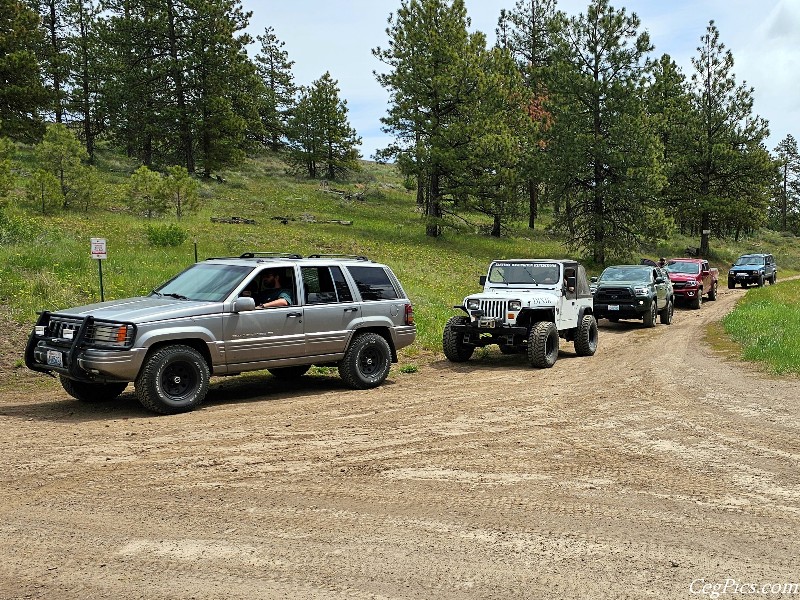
655	469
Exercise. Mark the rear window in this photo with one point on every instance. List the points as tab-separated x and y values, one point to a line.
373	283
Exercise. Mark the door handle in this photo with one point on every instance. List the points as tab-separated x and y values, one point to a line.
351	309
293	315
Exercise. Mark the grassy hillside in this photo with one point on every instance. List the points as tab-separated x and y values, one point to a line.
49	266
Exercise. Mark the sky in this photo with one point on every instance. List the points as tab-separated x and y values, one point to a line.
338	36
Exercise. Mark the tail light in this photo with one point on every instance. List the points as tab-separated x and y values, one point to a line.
409	314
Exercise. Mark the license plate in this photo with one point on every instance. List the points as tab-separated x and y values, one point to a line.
55	358
741	274
613	307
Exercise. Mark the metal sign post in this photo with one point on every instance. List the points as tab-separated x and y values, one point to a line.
99	254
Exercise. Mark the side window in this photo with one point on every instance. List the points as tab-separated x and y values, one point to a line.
341	285
373	283
318	285
325	285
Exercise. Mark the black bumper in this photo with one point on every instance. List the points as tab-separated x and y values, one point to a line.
625	310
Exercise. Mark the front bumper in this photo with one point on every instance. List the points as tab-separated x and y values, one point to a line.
484	332
741	277
77	357
622	310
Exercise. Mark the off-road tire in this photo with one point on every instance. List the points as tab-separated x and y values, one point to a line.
697	301
760	281
91	393
712	293
731	285
650	316
173	379
543	345
586	336
288	373
453	341
772	279
666	314
366	361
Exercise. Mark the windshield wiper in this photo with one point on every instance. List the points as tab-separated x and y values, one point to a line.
159	294
176	296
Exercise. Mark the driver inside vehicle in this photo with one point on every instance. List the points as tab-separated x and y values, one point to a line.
268	291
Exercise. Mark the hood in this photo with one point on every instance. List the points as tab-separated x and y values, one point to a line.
747	268
683	276
144	309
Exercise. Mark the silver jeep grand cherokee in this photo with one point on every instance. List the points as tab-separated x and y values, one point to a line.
338	310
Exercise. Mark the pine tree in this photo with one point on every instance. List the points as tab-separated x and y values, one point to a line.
179	191
786	207
432	81
23	95
609	159
55	55
275	70
143	193
724	170
321	140
530	32
61	154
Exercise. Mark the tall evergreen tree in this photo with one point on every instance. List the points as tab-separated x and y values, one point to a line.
83	99
321	140
608	156
55	54
669	107
23	96
786	206
432	81
275	69
726	172
529	32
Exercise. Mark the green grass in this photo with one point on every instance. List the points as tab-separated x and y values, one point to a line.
766	323
49	265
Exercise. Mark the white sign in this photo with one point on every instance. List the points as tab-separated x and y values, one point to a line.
99	248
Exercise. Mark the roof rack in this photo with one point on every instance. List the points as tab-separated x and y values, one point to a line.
269	255
352	256
258	255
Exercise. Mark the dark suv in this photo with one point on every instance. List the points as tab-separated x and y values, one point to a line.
208	320
633	292
753	268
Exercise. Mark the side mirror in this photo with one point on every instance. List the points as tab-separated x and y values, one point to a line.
482	280
594	279
572	282
244	303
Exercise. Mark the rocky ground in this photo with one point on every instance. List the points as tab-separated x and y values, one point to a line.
657	468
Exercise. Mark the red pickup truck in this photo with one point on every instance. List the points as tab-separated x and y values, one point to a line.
692	278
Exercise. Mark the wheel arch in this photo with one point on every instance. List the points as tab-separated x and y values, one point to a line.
381	331
196	343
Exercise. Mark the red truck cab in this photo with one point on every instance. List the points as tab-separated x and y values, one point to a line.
692	278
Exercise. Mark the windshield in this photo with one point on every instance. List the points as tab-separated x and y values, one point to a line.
211	283
626	274
749	260
679	266
524	273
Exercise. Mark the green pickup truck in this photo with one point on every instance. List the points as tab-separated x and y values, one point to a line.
639	292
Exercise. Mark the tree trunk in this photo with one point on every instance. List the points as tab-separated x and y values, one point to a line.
433	207
533	202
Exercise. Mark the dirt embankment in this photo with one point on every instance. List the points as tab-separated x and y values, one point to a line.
649	470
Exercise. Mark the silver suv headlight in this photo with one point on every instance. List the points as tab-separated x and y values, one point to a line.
473	304
514	305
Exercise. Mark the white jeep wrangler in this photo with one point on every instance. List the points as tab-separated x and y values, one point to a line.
526	305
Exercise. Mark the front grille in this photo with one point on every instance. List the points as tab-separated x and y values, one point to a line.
59	327
679	285
611	295
494	308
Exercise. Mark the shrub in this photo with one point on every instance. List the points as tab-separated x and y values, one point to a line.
165	235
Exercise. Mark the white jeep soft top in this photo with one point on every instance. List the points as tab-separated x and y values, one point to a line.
526	305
